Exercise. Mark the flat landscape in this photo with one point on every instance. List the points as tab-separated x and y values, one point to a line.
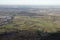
42	23
45	20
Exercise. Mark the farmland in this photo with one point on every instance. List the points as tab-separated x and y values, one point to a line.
29	23
42	23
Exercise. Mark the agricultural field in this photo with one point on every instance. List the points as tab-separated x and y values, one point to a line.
29	22
42	23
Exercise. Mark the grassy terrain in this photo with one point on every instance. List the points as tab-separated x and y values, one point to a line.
42	23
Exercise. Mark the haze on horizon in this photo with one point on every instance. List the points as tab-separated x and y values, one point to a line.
29	2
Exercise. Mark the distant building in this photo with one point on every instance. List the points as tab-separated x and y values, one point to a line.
5	19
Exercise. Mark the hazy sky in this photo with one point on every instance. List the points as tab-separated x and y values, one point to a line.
30	2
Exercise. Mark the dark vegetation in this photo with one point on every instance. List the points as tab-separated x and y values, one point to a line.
53	36
29	35
20	35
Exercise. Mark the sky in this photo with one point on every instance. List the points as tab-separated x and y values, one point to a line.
29	2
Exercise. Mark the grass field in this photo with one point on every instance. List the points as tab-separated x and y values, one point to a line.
42	23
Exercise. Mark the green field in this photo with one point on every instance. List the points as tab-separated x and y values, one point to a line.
42	23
